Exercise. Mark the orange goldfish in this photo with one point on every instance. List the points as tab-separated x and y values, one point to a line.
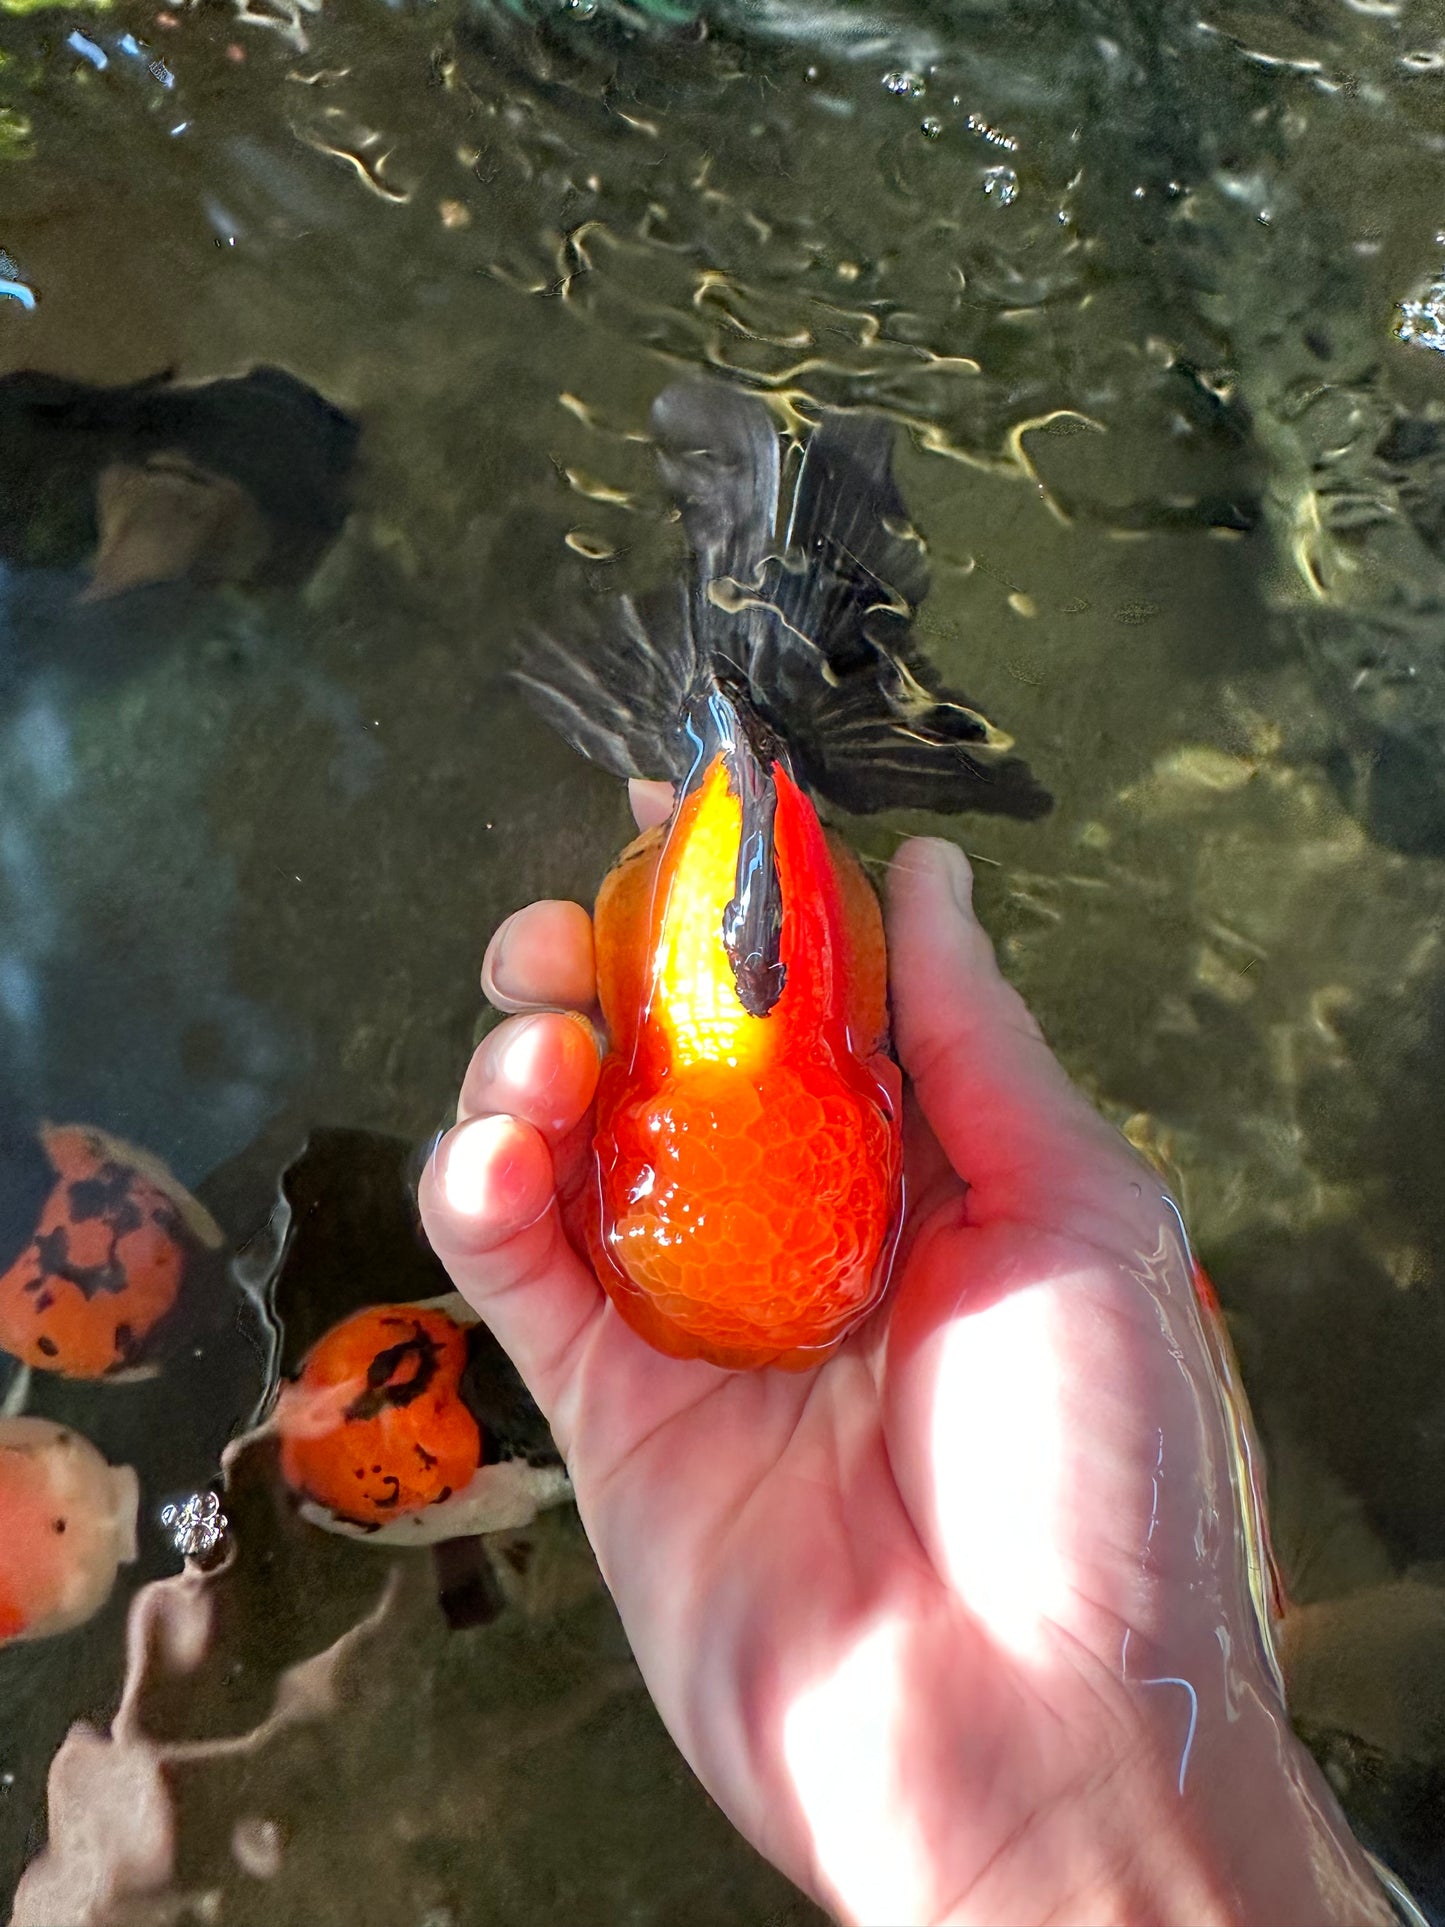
748	1165
67	1522
406	1425
375	1424
95	1238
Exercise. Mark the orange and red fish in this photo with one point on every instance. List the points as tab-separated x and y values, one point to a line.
748	1134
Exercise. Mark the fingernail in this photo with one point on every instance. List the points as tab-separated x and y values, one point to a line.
960	874
496	955
956	867
588	1029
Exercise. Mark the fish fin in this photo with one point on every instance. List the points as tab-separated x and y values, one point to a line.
617	686
837	671
717	451
286	445
854	747
812	623
468	1590
56	401
855	568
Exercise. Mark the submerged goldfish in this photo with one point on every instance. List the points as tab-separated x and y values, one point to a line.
406	1424
748	1132
95	1240
67	1522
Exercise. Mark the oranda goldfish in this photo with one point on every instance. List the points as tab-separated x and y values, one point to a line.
406	1425
67	1521
95	1238
748	1137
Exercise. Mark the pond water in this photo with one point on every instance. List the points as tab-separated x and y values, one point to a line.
1157	297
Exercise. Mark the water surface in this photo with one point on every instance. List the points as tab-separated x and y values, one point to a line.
1152	295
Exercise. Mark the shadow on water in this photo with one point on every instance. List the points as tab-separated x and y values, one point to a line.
1153	296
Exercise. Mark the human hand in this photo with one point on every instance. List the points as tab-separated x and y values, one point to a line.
958	1626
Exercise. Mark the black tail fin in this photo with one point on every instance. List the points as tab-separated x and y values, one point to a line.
812	619
718	453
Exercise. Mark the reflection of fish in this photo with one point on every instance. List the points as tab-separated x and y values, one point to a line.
244	479
67	1521
748	1120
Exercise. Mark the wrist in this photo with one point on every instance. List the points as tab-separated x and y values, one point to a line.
1254	1839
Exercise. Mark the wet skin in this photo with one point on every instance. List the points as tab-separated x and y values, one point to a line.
957	1627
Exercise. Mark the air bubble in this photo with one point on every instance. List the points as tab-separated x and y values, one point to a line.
906	85
1002	184
1422	322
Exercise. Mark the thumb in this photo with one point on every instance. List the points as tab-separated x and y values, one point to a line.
1029	1144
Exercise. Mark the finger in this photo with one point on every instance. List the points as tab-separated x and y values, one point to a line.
651	802
542	955
488	1205
1027	1142
541	1068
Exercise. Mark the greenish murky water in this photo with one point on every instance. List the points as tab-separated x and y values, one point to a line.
1155	295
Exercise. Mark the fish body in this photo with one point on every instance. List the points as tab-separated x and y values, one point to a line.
749	1161
98	1235
390	1431
67	1522
748	1123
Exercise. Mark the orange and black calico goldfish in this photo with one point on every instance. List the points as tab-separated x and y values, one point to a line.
748	1135
397	1423
96	1238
